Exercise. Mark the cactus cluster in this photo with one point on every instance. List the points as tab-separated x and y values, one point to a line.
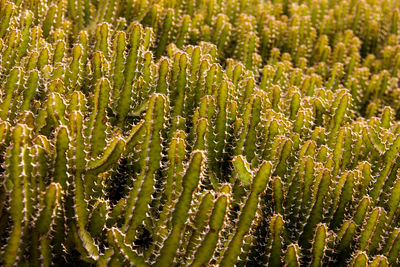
200	132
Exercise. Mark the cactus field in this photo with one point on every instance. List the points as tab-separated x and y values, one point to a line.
200	133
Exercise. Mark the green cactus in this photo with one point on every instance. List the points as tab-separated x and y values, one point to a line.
229	132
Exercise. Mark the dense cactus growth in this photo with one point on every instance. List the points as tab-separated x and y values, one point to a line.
200	132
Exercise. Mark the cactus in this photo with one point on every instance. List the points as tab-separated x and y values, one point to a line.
194	133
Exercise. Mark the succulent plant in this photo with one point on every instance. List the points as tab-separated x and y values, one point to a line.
200	133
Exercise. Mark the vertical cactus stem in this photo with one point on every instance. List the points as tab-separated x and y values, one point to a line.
162	84
220	124
119	61
8	11
201	132
392	248
51	201
59	52
180	39
316	210
129	74
362	210
163	39
247	215
360	260
56	109
72	75
206	249
190	182
30	90
173	186
43	58
345	197
319	245
25	35
78	163
345	238
98	120
292	256
251	133
338	118
10	89
386	117
60	164
278	195
280	169
276	226
295	106
151	157
13	184
200	222
32	61
179	95
49	20
388	160
372	232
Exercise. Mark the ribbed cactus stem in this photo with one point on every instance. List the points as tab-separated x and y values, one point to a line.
247	215
205	251
190	182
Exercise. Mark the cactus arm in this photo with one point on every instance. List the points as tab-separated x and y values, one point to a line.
17	198
10	88
206	249
111	154
98	120
319	245
276	230
129	74
190	181
247	215
151	162
117	239
292	256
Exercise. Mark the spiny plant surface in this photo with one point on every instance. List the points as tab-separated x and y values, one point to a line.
199	133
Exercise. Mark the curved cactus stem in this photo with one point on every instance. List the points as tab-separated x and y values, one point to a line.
190	182
134	137
111	154
389	157
30	90
150	162
392	248
117	240
200	222
344	239
371	235
247	215
316	211
207	247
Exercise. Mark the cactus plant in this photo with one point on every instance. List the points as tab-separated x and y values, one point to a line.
199	133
